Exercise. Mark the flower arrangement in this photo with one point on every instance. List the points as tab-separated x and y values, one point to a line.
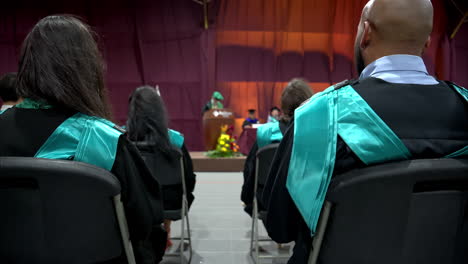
226	146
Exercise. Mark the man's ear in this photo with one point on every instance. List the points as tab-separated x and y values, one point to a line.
366	35
427	44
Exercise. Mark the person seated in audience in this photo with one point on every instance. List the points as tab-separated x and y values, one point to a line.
294	94
250	120
394	111
148	122
274	115
8	91
65	115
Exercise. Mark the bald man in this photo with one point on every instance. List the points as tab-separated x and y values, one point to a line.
394	111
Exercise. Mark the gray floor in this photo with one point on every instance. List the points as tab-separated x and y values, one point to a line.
220	228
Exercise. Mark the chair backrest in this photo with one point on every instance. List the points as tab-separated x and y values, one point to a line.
166	171
404	212
56	211
264	158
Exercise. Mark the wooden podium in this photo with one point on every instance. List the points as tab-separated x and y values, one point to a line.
212	121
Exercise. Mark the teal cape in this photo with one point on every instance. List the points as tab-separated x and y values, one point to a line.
81	138
318	122
176	138
268	133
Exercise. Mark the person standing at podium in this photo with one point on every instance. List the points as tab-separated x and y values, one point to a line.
214	103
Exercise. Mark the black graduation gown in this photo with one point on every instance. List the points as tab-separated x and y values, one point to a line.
172	194
24	131
207	107
247	193
247	122
431	120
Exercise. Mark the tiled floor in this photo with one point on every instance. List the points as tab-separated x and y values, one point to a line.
220	228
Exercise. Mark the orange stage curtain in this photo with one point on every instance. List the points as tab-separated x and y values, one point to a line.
262	44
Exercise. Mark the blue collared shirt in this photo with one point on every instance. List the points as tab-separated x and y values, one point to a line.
406	69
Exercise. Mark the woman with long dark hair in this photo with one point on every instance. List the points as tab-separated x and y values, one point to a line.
65	115
147	120
148	123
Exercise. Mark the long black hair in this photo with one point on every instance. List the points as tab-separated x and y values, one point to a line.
147	119
60	64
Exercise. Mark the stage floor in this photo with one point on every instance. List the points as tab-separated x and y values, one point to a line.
202	163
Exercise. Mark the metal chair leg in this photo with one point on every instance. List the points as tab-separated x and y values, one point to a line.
257	250
252	235
188	233
182	236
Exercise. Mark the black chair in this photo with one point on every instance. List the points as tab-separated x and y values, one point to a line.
404	212
56	211
170	174
264	158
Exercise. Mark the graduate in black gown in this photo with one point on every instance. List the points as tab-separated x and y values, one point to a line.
61	80
250	120
293	95
8	91
148	122
429	116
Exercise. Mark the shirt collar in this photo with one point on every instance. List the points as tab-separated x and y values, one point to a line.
5	107
400	62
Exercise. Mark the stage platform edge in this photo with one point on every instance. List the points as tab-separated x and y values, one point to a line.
202	163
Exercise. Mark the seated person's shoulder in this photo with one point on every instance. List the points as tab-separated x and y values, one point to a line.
107	126
345	83
330	89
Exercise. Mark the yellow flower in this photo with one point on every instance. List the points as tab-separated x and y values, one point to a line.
224	149
222	142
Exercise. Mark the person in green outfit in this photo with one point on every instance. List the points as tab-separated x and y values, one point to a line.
215	102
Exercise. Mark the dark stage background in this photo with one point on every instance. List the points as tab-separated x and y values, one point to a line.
252	48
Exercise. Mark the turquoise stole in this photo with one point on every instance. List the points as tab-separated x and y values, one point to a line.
176	138
81	138
268	133
317	124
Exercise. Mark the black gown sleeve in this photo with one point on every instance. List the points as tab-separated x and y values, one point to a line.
284	223
141	197
206	107
283	216
190	176
247	193
246	123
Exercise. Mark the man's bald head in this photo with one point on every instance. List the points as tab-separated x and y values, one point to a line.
404	22
394	27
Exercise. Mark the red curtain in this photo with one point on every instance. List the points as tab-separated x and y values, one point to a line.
252	49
